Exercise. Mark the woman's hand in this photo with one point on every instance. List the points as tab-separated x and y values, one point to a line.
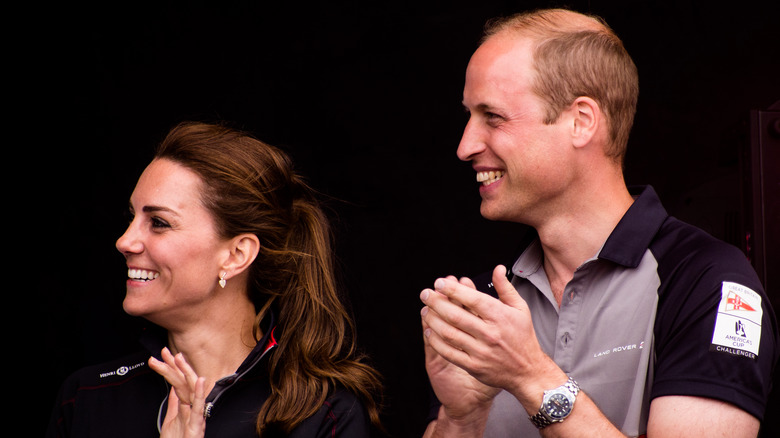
187	400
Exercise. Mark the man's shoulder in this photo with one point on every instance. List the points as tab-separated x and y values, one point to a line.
679	245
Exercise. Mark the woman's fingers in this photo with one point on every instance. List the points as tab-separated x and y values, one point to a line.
178	373
186	370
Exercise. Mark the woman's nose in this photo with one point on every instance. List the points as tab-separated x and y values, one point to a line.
129	242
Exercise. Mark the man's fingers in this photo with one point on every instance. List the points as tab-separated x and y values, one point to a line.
448	336
463	293
450	310
506	292
446	341
467	282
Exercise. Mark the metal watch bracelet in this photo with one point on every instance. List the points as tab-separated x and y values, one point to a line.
541	419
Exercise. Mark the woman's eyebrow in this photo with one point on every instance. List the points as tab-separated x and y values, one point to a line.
157	208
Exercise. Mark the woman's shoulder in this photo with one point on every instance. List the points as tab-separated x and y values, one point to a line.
344	401
341	415
122	394
111	371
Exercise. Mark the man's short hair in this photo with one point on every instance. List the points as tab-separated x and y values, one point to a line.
578	55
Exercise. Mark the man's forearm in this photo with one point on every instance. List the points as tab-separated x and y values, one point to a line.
468	427
586	419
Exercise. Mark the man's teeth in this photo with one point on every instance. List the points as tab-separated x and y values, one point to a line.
142	274
487	178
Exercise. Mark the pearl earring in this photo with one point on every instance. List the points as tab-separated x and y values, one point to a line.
222	280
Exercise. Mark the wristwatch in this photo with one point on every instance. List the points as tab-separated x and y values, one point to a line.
556	404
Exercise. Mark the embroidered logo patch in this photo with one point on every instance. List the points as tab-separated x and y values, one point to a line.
738	323
121	371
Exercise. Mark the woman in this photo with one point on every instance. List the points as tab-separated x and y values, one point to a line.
229	253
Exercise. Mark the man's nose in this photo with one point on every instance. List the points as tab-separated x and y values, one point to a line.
471	143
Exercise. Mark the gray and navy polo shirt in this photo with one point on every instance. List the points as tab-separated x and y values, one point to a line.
662	309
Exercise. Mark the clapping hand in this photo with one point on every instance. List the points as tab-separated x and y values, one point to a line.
187	400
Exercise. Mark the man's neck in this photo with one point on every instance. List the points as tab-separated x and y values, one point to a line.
576	235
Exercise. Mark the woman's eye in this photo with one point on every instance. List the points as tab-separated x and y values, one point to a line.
159	223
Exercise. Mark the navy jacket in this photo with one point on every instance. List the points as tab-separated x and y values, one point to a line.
126	398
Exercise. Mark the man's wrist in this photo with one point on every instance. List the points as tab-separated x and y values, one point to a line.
529	390
472	423
557	404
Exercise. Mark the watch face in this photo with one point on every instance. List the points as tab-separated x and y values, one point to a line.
558	406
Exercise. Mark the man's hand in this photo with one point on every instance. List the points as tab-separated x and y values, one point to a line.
493	340
465	400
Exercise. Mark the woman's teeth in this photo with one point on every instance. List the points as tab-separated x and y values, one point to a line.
142	274
488	178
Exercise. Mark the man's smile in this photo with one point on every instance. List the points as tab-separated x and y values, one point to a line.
488	178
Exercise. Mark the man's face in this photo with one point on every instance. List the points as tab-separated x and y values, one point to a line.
521	162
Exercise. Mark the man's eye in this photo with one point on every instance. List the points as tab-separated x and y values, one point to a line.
493	118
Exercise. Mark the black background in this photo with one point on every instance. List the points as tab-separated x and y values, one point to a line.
366	98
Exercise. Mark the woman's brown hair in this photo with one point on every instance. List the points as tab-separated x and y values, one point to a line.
251	187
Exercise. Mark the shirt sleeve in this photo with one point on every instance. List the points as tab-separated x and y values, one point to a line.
715	334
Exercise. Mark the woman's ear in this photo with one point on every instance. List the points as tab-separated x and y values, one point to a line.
242	251
587	120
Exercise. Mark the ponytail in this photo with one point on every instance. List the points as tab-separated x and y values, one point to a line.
318	350
251	187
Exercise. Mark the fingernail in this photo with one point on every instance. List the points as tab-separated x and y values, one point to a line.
427	332
424	311
425	294
439	283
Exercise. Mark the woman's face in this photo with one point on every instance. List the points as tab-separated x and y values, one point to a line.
171	246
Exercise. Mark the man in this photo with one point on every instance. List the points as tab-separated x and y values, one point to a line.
640	323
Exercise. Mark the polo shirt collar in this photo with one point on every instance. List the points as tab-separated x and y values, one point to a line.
627	243
632	236
530	261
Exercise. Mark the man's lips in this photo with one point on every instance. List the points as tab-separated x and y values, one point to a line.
489	177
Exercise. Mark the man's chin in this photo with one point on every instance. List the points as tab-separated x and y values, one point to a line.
494	211
491	213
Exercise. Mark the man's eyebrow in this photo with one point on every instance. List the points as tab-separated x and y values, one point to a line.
482	107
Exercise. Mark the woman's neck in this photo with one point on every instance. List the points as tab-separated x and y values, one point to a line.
217	345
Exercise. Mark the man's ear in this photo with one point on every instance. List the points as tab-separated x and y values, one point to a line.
242	251
587	120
